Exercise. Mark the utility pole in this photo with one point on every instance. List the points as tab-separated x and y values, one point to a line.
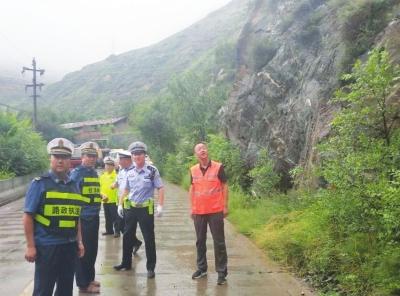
34	85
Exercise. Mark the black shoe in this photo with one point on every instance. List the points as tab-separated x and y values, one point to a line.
136	248
199	274
151	274
221	279
117	235
122	267
107	233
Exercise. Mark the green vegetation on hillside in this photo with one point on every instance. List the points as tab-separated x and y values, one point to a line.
361	21
187	111
110	87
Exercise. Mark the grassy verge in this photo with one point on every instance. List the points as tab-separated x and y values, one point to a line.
310	237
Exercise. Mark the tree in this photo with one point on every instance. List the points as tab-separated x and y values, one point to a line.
361	163
363	132
49	125
22	149
265	179
196	104
155	126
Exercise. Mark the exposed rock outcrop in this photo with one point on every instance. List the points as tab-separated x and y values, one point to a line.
280	100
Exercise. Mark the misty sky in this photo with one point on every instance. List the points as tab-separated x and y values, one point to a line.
65	35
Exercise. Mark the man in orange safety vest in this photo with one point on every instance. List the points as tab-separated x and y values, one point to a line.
209	206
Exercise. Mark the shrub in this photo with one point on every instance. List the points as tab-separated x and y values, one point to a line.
360	163
264	178
176	167
22	150
6	175
222	150
361	21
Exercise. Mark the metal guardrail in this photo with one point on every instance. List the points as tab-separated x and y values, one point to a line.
12	189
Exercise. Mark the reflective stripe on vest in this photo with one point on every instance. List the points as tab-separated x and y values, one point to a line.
67	224
42	220
149	203
207	196
67	195
91	179
61	210
62	223
91	189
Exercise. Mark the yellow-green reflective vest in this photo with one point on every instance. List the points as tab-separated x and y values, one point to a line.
91	189
106	181
59	212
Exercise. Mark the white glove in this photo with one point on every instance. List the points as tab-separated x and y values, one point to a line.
120	211
159	210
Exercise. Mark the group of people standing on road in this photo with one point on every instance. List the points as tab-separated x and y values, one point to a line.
61	214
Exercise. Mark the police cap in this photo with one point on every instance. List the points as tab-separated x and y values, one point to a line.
124	154
89	148
60	146
108	160
137	147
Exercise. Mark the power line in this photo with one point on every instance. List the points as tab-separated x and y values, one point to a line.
7	107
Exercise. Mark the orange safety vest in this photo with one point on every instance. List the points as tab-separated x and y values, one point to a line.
207	196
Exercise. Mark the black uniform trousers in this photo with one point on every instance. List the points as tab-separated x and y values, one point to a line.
85	271
55	264
216	223
110	215
146	224
119	224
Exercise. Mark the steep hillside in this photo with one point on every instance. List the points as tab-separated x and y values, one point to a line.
12	92
110	85
291	54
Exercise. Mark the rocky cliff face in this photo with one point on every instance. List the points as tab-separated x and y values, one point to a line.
290	57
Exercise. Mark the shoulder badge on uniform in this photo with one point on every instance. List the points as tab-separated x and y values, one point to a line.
150	167
78	168
152	170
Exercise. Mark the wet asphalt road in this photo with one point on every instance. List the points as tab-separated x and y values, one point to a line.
250	272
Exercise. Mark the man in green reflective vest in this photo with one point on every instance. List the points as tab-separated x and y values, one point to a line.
109	196
51	223
88	183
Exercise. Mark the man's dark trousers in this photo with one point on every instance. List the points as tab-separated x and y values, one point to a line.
146	223
119	225
110	214
85	272
55	264
216	222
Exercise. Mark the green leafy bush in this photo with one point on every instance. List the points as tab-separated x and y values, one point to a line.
6	175
222	150
264	178
22	150
172	169
48	125
176	167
